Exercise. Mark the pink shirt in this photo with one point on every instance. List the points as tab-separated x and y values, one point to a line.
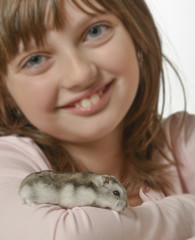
170	218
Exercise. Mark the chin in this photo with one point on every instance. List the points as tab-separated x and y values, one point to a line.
92	135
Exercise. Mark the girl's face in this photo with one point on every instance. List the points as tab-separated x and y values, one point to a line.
79	86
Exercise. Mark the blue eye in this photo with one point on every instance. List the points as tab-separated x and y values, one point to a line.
96	31
34	61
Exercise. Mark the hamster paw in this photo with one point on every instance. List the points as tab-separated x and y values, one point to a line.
30	203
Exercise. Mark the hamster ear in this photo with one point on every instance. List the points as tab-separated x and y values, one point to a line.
106	180
102	180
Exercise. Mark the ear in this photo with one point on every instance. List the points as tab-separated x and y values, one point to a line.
106	180
102	180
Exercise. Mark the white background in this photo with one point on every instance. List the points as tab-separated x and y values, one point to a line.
176	22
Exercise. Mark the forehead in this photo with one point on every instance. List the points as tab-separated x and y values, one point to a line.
88	6
27	20
74	13
70	9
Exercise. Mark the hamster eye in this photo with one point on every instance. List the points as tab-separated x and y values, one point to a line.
116	193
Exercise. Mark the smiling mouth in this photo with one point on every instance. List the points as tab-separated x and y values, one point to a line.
90	102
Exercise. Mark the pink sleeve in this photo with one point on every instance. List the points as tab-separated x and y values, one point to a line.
170	218
184	148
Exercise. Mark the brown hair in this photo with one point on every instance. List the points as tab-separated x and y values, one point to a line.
20	20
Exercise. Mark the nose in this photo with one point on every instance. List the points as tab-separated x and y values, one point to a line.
80	72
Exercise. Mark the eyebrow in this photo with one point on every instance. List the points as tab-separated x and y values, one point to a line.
30	47
88	18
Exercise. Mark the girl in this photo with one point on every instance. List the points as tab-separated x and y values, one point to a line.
79	91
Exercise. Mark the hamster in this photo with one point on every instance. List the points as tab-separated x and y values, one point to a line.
71	190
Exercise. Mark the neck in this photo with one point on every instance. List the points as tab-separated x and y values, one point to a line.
103	156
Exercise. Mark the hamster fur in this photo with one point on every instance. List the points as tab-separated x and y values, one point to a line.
71	190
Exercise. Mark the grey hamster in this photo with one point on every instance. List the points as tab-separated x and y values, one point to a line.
73	190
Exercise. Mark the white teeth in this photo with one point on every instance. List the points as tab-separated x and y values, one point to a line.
95	98
86	103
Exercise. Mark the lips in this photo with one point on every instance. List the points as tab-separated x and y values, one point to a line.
89	101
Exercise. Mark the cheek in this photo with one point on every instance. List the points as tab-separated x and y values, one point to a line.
30	96
124	67
120	60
